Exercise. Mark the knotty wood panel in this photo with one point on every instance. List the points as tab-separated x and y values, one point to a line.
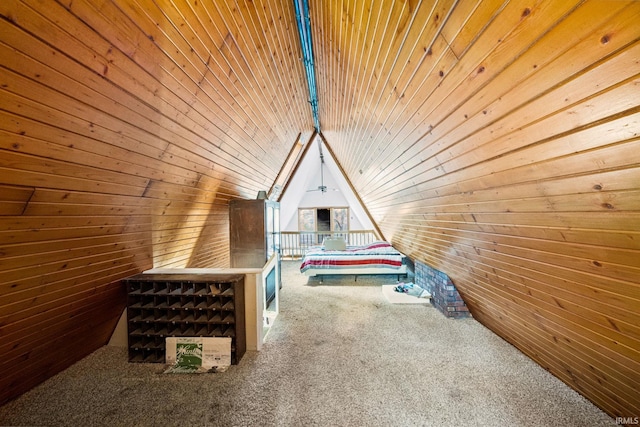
125	129
14	200
498	142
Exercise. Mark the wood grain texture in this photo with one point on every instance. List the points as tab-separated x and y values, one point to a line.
497	141
125	129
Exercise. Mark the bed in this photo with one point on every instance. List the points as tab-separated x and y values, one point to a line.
375	258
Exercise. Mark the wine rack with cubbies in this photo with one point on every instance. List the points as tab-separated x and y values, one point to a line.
183	305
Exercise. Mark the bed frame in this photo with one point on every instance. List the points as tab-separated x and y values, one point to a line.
362	271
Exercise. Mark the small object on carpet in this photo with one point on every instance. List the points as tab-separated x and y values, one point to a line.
395	297
409	289
196	355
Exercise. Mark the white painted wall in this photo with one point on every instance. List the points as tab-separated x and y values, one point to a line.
307	177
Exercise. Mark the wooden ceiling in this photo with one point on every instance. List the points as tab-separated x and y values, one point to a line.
497	141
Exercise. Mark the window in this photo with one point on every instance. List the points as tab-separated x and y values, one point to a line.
340	219
315	221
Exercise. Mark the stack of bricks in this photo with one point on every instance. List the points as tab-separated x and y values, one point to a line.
444	295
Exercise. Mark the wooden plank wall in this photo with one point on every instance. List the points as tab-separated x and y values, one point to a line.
499	142
125	128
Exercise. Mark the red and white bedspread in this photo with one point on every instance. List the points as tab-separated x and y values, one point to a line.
374	258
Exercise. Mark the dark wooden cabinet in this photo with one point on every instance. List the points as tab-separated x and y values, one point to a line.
254	232
183	305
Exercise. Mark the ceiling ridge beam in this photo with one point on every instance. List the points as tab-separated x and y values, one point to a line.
304	30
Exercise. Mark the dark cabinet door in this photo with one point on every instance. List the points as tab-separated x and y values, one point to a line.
253	232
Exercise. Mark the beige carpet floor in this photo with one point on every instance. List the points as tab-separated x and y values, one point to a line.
339	354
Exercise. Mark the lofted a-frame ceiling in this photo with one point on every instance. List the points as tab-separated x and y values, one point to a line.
496	141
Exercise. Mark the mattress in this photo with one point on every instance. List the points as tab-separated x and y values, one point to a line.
374	258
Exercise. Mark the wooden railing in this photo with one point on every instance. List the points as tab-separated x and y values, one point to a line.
294	244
